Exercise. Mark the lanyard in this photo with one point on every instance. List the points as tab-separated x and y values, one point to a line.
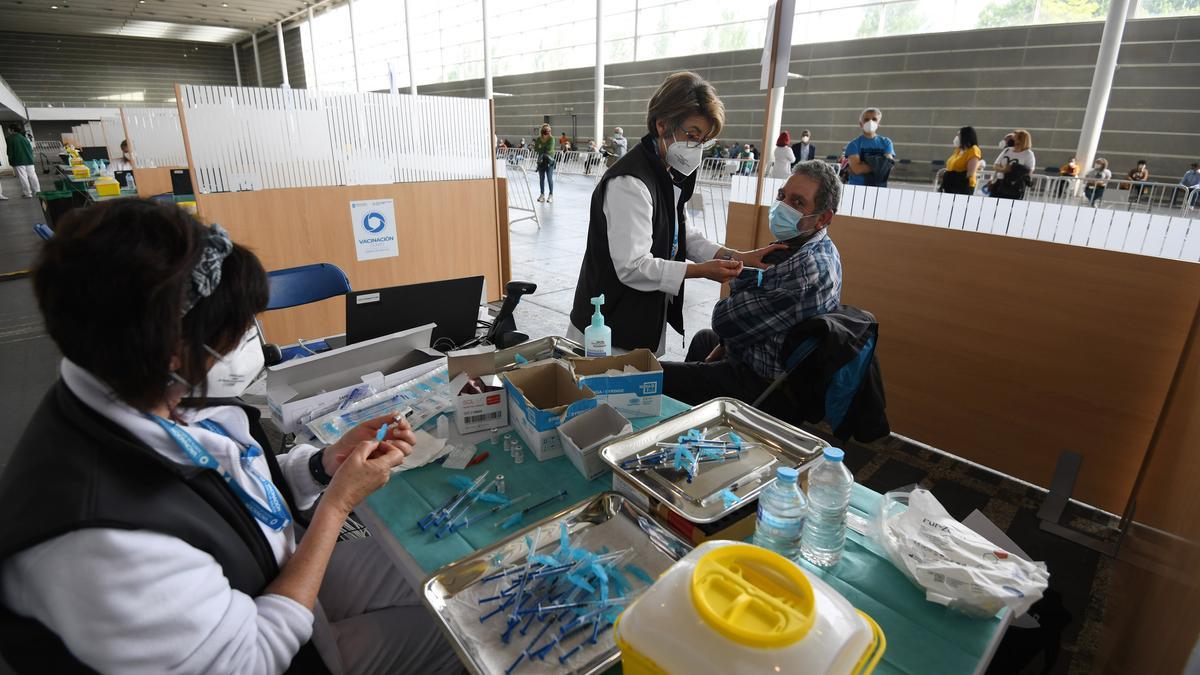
276	516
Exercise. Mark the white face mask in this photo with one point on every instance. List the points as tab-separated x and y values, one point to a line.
683	159
804	139
956	141
232	373
870	126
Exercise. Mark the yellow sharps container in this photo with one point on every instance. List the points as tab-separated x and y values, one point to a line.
735	608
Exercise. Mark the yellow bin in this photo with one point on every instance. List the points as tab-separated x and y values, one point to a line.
107	187
735	608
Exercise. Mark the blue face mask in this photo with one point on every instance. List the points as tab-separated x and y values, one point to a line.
784	222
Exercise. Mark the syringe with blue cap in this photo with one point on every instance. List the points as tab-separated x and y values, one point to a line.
432	518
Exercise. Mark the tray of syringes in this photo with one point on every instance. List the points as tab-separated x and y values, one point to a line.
707	462
507	611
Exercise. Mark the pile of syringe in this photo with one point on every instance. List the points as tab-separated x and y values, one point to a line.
689	453
562	602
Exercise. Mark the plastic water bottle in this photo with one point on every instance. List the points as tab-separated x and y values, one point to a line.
829	485
782	508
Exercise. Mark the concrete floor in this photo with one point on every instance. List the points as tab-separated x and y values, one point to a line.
550	257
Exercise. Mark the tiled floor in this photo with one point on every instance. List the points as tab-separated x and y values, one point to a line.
550	257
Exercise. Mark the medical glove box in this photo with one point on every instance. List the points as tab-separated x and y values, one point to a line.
632	394
299	386
486	410
581	437
540	398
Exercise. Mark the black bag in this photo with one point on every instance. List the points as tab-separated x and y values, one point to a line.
956	182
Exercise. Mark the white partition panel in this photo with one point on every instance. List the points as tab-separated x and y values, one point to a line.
1191	246
249	138
155	137
847	204
1016	218
1156	234
1097	234
114	133
1118	231
1033	219
1004	208
1176	235
1135	238
987	214
902	211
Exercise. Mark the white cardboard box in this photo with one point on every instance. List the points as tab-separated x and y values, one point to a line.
540	398
301	385
632	394
582	437
478	412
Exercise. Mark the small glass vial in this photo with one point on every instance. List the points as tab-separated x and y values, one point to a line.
496	437
518	455
500	486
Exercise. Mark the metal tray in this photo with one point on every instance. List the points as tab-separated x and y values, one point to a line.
779	444
551	347
607	519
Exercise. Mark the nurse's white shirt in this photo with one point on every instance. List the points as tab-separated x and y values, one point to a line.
134	601
628	210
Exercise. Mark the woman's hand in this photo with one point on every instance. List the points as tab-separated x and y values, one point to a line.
719	271
365	469
400	434
755	258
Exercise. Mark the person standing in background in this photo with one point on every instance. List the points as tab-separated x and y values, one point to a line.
1097	180
20	155
543	149
1014	165
1139	173
804	150
783	157
870	157
619	142
959	177
564	143
125	161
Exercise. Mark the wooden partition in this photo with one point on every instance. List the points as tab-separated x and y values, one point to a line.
1007	351
445	230
154	181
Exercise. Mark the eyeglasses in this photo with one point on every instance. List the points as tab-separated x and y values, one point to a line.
693	141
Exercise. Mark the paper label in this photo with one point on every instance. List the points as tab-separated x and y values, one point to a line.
373	223
459	457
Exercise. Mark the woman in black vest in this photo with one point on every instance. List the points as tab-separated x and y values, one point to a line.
156	534
639	248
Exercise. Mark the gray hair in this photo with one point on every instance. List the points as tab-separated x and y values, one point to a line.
829	188
877	111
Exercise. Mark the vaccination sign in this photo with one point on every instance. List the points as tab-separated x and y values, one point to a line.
374	225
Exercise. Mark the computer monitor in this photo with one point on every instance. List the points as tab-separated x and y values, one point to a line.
452	304
181	181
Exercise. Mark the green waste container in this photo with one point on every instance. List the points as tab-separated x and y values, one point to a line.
57	202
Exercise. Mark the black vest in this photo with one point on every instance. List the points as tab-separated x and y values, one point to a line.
634	316
74	469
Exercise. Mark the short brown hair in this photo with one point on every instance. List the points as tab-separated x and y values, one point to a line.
1102	162
1022	141
681	96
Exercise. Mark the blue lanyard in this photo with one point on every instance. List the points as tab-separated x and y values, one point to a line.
276	516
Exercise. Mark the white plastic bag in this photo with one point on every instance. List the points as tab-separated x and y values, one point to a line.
956	566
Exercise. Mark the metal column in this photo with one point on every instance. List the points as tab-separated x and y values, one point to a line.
487	54
599	114
257	66
412	74
1102	78
282	55
311	79
237	66
354	46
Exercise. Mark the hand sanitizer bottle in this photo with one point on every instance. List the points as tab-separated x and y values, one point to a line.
597	339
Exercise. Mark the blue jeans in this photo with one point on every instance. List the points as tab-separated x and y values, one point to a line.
1094	194
545	175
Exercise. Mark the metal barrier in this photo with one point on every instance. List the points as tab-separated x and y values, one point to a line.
1148	196
708	209
520	196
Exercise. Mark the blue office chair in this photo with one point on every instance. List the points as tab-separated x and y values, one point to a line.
43	230
295	286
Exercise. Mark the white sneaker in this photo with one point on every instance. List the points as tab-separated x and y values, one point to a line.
541	198
550	199
2	197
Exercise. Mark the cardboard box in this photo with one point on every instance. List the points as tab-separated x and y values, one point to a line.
633	394
582	437
478	412
540	398
299	386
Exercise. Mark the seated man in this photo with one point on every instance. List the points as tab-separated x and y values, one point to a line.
740	355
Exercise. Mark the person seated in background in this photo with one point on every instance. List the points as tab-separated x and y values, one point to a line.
564	143
1068	170
1096	180
870	157
804	150
959	176
740	354
1190	181
1139	173
1014	165
748	164
125	161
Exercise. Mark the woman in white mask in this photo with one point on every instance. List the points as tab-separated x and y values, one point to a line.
125	161
640	247
165	536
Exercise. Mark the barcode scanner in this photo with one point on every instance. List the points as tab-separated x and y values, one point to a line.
503	332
